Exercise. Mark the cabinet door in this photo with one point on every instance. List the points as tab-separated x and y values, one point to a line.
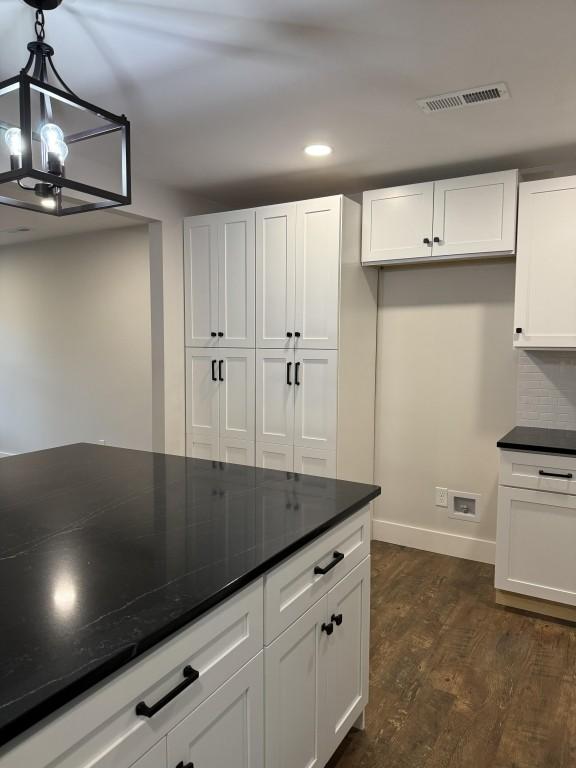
236	451
309	461
316	406
269	456
275	396
545	308
154	758
317	273
228	728
294	693
475	214
397	222
236	372
236	279
203	447
275	275
201	280
202	393
346	693
535	544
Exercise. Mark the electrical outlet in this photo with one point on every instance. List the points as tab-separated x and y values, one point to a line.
464	506
441	497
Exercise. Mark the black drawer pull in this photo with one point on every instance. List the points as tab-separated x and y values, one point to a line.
437	240
214	371
297	334
188	765
297	374
566	476
220	364
220	334
336	618
427	242
213	334
328	628
288	369
190	675
321	570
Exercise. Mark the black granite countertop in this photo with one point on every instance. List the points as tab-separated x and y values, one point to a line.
105	552
540	440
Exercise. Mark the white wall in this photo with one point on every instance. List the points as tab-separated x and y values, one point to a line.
75	341
446	391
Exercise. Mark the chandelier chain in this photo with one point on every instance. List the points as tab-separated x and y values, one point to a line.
39	25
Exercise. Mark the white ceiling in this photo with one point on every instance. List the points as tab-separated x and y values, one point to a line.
223	94
37	226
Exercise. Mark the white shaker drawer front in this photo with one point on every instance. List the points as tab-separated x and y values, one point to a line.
295	585
536	544
104	729
539	471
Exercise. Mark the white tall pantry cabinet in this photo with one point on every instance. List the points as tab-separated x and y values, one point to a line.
285	282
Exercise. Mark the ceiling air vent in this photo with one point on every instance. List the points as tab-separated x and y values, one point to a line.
467	98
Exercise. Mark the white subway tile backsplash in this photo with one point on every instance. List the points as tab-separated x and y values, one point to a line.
547	389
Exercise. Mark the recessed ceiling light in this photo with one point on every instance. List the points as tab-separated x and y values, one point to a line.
318	150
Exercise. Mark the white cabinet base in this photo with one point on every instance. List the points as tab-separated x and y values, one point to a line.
226	730
536	544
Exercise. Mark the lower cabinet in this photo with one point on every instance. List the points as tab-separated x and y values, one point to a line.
284	704
154	758
226	730
220	449
316	676
288	458
536	544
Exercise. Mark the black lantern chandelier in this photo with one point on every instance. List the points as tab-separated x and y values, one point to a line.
53	142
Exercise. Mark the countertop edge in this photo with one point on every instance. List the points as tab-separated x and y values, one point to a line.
39	712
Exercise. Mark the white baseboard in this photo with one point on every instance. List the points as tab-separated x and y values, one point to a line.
5	455
441	542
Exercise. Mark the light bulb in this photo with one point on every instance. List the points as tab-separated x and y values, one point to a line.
53	138
13	139
48	202
50	134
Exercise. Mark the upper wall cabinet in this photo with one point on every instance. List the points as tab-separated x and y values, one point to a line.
297	274
470	216
219	277
545	307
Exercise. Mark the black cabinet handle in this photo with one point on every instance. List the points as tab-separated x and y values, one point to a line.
288	369
518	330
328	628
296	374
336	618
214	371
297	334
563	476
337	558
426	241
188	765
213	334
436	239
190	675
220	334
220	364
288	334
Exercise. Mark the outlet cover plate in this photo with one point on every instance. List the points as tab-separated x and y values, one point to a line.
441	497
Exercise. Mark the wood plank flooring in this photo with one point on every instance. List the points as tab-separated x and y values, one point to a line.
457	681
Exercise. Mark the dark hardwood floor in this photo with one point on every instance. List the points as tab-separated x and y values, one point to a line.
455	679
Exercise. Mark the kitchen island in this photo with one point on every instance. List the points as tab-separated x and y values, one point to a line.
153	606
